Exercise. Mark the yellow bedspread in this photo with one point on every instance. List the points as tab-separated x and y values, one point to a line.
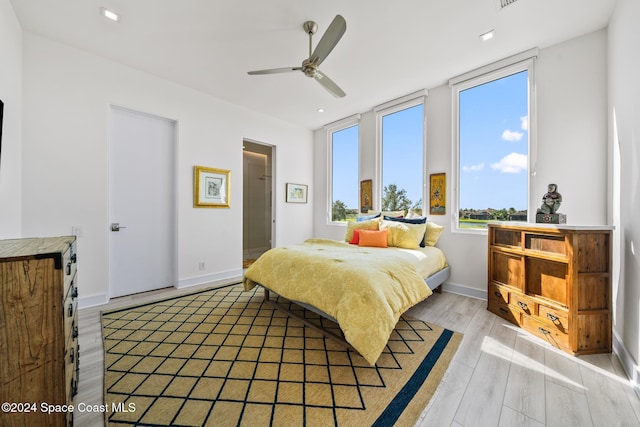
365	290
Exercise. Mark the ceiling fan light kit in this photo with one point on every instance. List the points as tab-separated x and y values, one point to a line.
310	65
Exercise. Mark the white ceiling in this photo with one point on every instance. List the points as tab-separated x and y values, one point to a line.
390	48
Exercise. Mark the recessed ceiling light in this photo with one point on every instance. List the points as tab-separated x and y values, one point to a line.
109	14
487	36
320	110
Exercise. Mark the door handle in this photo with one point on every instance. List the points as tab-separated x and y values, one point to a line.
115	226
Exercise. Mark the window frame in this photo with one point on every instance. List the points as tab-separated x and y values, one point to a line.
386	109
509	66
330	129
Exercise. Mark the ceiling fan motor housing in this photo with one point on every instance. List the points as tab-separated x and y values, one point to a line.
309	68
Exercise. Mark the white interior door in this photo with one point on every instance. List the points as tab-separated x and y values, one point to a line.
142	202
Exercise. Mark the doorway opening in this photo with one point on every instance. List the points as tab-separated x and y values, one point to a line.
258	215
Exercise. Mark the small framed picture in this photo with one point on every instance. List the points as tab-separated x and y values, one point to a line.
437	194
366	196
211	187
296	193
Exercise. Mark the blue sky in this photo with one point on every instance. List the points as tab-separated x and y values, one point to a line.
402	154
494	144
402	135
346	186
493	149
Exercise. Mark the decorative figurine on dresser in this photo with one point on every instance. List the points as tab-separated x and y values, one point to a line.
38	331
548	212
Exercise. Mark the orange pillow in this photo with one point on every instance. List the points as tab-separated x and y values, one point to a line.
373	238
356	237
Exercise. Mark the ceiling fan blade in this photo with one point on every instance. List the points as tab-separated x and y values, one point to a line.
274	70
329	85
329	39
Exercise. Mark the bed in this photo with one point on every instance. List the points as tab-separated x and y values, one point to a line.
364	289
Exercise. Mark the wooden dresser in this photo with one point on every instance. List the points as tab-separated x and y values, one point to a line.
38	331
554	281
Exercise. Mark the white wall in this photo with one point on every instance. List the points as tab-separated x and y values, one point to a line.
11	95
572	148
67	93
624	139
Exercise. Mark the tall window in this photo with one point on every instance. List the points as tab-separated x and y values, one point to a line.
402	143
493	113
344	173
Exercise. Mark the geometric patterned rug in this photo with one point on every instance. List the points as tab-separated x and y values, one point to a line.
221	357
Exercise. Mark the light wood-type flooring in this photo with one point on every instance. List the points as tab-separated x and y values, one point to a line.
500	376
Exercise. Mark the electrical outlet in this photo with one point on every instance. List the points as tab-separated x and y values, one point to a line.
201	265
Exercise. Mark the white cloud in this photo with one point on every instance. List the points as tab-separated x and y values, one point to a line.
524	123
473	168
511	163
509	135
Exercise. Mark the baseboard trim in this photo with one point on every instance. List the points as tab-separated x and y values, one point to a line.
466	291
628	364
92	300
213	279
219	279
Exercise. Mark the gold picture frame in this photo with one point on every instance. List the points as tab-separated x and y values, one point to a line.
366	196
437	194
211	187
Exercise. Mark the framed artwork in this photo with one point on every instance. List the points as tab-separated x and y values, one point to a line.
211	187
296	193
437	193
366	189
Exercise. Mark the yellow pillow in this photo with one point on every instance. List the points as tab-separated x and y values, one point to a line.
373	238
372	224
433	233
403	235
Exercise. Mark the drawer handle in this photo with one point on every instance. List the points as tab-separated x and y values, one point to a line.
552	317
74	291
72	356
523	305
75	331
543	330
503	310
69	269
498	294
70	310
74	387
74	258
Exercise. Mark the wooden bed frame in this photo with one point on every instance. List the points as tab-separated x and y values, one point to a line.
434	282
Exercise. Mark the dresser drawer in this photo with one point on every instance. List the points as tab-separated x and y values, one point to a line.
522	303
499	294
505	311
70	313
548	333
554	317
71	364
69	267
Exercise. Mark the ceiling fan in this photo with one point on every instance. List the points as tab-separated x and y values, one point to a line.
310	65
